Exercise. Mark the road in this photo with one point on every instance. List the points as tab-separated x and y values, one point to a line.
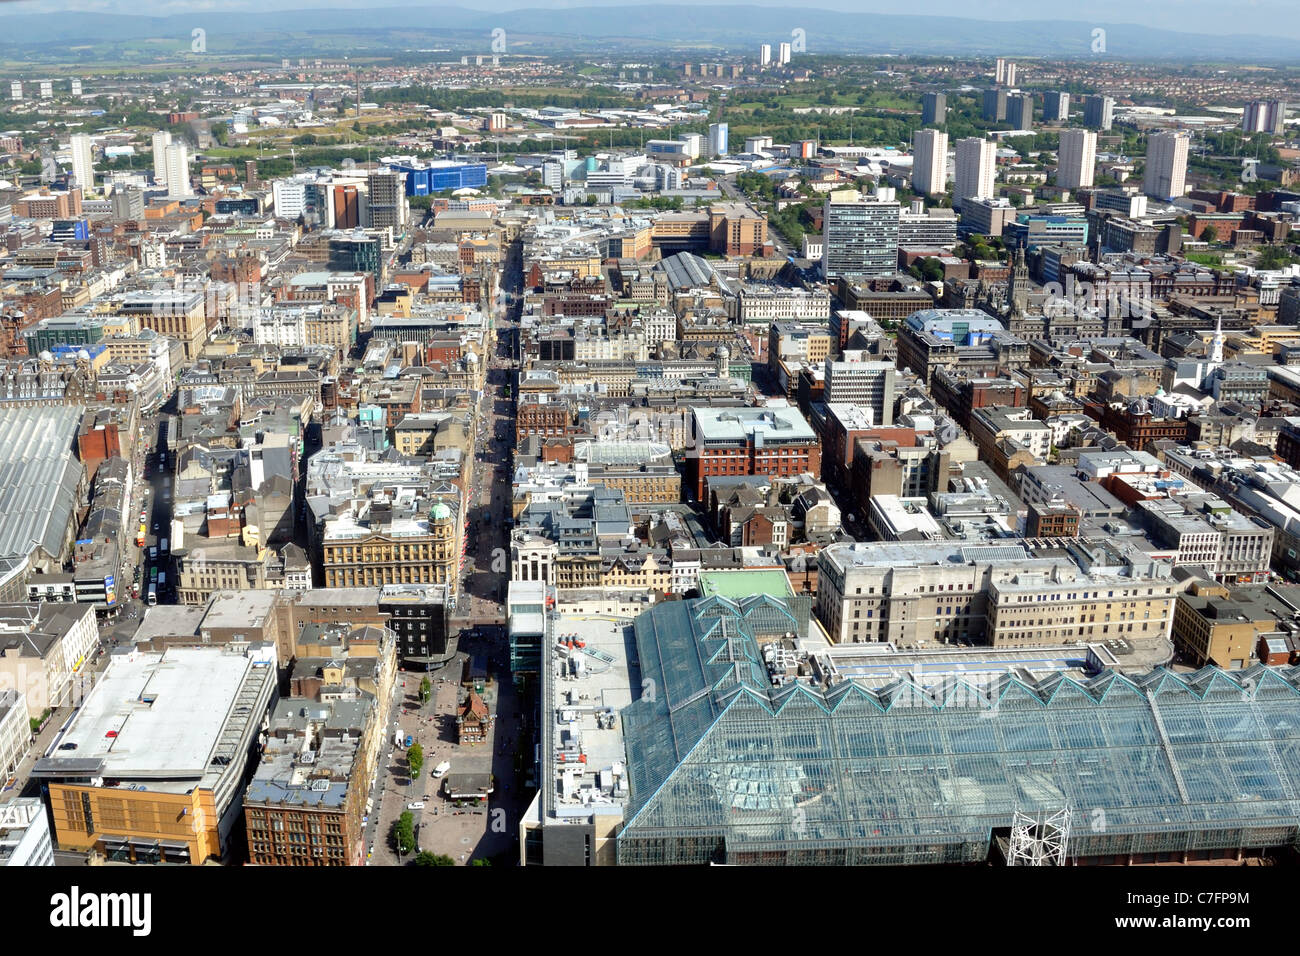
487	563
479	615
728	188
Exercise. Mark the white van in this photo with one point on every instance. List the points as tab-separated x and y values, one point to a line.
441	770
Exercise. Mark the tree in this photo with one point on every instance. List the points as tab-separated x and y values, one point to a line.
426	690
426	858
1210	234
415	759
480	861
404	832
931	269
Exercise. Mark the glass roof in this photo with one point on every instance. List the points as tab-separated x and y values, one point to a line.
717	751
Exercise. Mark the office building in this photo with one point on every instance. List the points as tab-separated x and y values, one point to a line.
307	802
934	109
25	833
174	313
717	139
935	228
387	206
783	54
929	162
860	236
973	179
986	217
83	165
1031	231
151	768
1166	165
1056	107
75	86
1098	112
858	380
417	614
1076	159
1264	116
995	106
1006	72
15	89
1222	627
1131	205
693	144
1205	532
764	54
1020	110
375	543
912	594
178	170
750	441
127	203
736	230
15	730
161	140
423	179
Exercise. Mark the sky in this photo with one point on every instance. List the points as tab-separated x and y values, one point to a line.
1266	17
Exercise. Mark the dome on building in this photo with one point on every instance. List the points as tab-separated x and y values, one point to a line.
45	356
440	512
1140	407
83	355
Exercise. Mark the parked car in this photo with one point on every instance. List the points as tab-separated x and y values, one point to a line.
417	805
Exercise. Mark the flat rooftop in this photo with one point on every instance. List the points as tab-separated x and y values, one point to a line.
588	685
155	716
249	608
876	665
742	584
169	620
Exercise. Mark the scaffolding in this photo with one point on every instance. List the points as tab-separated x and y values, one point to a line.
1039	839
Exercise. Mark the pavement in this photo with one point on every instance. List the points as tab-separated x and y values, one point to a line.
489	832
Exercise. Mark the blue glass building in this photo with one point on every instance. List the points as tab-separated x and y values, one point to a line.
423	180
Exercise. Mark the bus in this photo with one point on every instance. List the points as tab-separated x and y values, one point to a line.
153	595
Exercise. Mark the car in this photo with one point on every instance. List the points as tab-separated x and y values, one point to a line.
67	746
417	805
